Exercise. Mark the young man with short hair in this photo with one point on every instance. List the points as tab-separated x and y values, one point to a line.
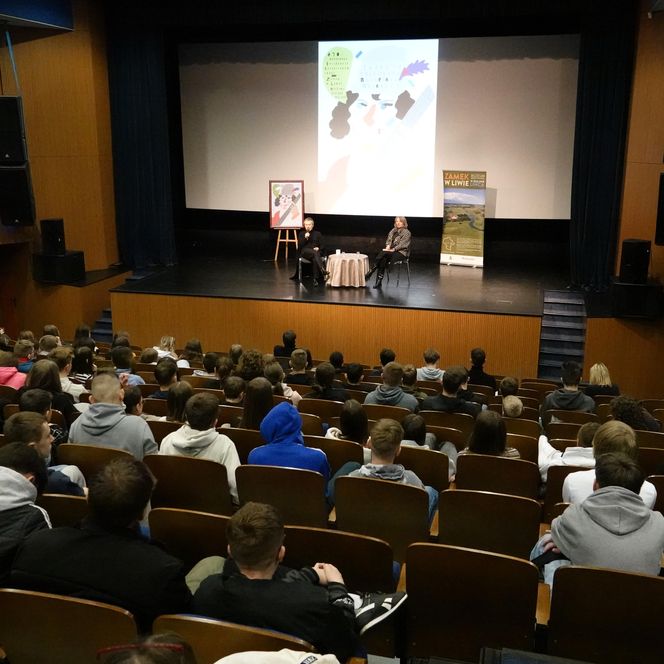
123	358
62	356
430	370
476	371
449	401
166	375
574	455
298	364
390	393
569	397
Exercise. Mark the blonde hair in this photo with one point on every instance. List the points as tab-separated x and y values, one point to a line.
512	406
403	219
615	436
599	374
167	343
386	437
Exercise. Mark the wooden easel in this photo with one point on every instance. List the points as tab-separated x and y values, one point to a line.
288	239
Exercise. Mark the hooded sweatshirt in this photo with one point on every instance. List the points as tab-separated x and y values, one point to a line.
206	444
12	377
392	472
611	528
392	396
107	424
282	428
568	400
430	373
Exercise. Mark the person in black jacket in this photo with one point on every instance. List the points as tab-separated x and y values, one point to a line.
449	401
309	242
324	385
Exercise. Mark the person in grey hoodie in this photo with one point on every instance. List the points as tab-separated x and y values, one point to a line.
612	528
199	438
430	370
569	397
390	392
106	423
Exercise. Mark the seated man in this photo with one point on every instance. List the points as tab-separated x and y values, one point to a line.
390	393
354	375
166	375
209	369
106	423
288	338
309	247
298	363
611	528
198	438
569	397
123	358
234	389
576	455
47	343
386	356
610	437
430	370
415	434
476	371
631	412
24	352
36	400
448	401
312	603
509	386
512	406
409	383
106	559
467	394
62	356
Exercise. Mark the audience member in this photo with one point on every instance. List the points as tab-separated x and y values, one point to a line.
600	382
353	426
46	375
298	374
569	397
62	356
467	394
164	648
52	331
324	387
123	359
448	401
234	389
166	347
386	356
28	335
512	406
415	434
37	400
275	374
354	376
509	386
149	356
47	343
476	371
105	423
224	369
166	374
430	370
288	338
251	365
82	335
176	401
24	352
133	402
631	412
9	373
209	369
198	438
337	361
575	455
235	353
257	403
82	365
409	383
121	339
489	436
106	559
6	343
390	393
192	352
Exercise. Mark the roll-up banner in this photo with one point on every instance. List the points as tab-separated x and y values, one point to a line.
464	197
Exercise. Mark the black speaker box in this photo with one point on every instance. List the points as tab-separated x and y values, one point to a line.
12	134
637	300
17	204
53	237
659	228
634	261
66	269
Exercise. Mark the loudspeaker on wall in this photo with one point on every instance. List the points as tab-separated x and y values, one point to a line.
13	150
53	237
17	204
634	261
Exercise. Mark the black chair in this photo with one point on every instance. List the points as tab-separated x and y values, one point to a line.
305	261
398	262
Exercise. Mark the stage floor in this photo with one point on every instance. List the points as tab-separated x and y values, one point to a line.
493	289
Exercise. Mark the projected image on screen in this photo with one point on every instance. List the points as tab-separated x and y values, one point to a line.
376	126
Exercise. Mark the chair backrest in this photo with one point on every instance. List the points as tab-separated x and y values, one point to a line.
366	561
376	411
298	494
484	390
512	528
161	428
337	451
603	412
324	408
650	439
608	616
38	627
358	395
537	394
431	384
192	484
482	472
527	446
210	390
228	414
8	393
431	467
652	404
448	434
158	407
395	513
572	416
555	478
63	510
562	430
147	376
58	418
90	459
658	414
651	461
522	426
561	444
461	421
197	381
494	602
189	535
9	409
245	440
658	481
311	424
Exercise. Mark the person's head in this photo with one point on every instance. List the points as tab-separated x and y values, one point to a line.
167	344
85	342
119	493
282	424
392	374
489	435
234	388
149	355
202	411
82	332
121	339
628	410
478	357
586	434
27	335
235	352
385	440
615	436
570	374
62	356
122	357
453	379
325	375
178	394
133	400
512	406
353	422
165	648
224	369
210	362
387	355
6	342
8	359
431	356
30	429
44	374
26	461
51	330
83	361
508	386
47	343
409	375
614	469
337	360
288	338
166	372
599	374
414	428
354	373
24	349
35	400
255	535
298	359
193	351
400	222
257	402
308	224
250	365
106	388
274	373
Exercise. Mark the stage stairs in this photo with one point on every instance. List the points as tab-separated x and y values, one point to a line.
563	331
103	327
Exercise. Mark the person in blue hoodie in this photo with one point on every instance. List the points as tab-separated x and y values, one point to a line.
282	429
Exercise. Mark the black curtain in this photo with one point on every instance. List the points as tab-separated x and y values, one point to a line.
605	76
141	144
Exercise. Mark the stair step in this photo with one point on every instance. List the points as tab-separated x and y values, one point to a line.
558	335
561	350
564	310
106	313
563	324
561	300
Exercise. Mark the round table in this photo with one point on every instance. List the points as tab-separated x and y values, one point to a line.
347	269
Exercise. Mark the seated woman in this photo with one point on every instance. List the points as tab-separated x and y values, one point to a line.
275	374
257	404
46	375
490	437
193	352
397	247
309	247
600	382
176	400
353	426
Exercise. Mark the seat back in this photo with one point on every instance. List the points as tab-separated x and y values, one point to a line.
37	627
324	408
395	513
448	434
658	481
652	404
601	615
311	424
63	510
197	381
461	600
512	528
337	450
562	430
522	426
555	478
650	439
161	428
431	467
376	411
244	440
192	484
461	421
8	394
90	459
571	416
482	472
229	414
527	446
298	494
157	407
213	639
651	461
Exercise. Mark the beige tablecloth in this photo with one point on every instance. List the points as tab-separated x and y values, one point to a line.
347	269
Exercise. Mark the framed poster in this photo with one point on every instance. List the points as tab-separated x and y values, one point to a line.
286	203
